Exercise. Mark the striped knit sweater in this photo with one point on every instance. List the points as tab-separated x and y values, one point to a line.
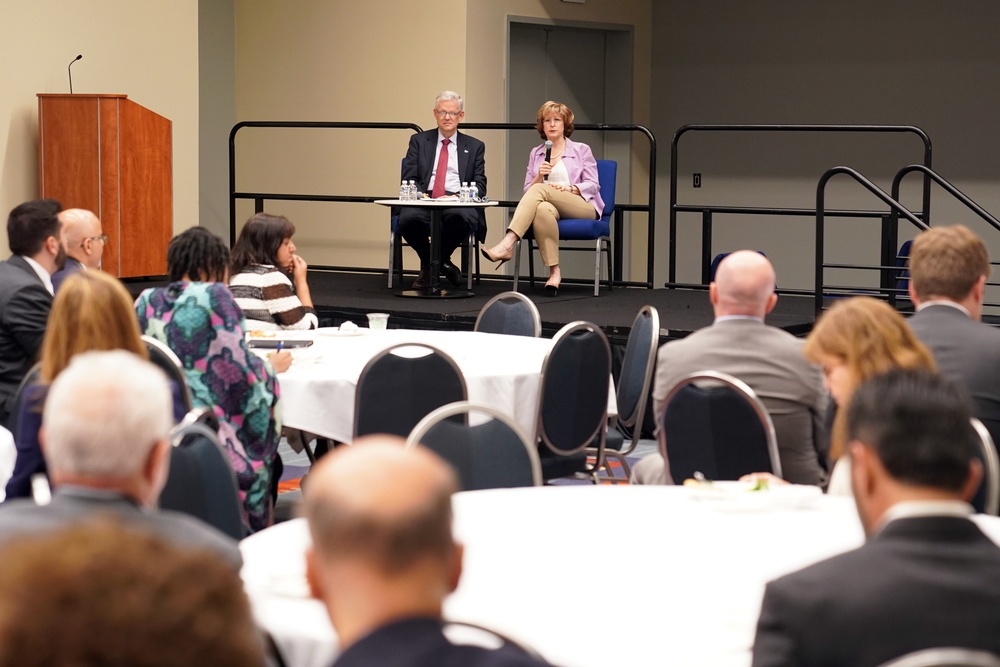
267	298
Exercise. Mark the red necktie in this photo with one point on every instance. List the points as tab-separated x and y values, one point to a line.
442	171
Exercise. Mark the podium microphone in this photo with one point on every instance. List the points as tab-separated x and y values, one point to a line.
69	70
548	144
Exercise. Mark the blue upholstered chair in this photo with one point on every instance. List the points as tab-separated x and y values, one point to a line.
572	229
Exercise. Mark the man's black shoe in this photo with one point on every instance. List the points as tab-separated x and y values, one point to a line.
451	272
423	280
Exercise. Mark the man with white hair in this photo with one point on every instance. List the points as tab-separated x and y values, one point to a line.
766	358
106	439
439	161
84	239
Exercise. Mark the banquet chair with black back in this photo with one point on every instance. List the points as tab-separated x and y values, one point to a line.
714	424
573	402
950	656
633	388
30	378
510	313
165	359
487	454
201	481
401	385
987	498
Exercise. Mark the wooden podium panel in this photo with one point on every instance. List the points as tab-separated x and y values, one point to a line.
112	156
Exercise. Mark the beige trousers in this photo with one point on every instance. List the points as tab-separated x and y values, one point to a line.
543	206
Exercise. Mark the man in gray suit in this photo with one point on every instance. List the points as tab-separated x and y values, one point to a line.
768	359
948	271
927	576
34	235
106	438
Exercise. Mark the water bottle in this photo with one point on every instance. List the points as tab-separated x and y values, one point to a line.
473	190
414	195
463	194
404	191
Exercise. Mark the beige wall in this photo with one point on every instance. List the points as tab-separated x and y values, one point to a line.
147	50
318	60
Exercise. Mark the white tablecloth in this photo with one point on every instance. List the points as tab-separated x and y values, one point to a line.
591	576
318	390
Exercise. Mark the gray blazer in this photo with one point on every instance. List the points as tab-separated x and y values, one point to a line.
24	312
968	353
72	504
770	361
920	583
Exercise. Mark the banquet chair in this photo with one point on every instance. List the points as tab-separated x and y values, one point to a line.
946	657
713	423
201	481
573	402
987	498
492	454
470	249
30	378
165	359
573	229
634	383
401	385
510	313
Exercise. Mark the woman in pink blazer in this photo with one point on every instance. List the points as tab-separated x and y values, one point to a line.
564	186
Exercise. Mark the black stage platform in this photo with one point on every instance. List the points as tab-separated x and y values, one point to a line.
342	296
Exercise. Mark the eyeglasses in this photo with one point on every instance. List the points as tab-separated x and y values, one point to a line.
447	114
103	238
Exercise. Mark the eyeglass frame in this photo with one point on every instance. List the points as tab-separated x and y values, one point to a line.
102	237
448	114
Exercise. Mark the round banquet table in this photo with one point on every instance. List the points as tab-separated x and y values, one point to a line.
592	575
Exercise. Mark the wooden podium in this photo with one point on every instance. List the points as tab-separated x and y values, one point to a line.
112	156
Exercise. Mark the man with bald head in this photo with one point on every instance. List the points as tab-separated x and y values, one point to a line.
383	557
768	359
84	241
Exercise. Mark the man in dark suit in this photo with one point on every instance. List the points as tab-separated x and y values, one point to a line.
35	240
948	271
106	439
927	576
383	557
84	240
465	162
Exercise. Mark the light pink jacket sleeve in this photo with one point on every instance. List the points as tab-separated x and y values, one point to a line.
580	166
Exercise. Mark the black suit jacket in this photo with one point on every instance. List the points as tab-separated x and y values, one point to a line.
24	312
419	642
420	158
920	583
967	353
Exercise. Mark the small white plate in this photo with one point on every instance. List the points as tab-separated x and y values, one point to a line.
334	332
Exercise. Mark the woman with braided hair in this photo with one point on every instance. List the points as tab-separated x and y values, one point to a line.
197	317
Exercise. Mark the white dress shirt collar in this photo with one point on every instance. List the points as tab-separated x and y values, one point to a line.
924	508
944	302
43	275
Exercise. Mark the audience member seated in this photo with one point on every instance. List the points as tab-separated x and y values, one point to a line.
856	339
948	271
106	438
92	311
197	317
84	240
766	358
99	595
35	238
383	557
563	186
263	259
927	577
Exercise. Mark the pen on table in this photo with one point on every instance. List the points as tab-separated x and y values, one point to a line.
280	343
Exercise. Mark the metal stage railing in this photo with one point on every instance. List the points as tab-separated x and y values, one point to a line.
618	240
708	211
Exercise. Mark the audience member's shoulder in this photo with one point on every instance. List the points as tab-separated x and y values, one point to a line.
189	532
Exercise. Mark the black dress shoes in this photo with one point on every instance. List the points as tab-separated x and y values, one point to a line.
452	273
423	280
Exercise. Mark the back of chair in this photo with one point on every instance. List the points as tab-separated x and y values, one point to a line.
946	657
201	482
573	403
492	454
607	176
30	378
987	498
165	359
401	385
510	313
637	370
721	430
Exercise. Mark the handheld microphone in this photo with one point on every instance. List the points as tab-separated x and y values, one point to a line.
548	151
69	70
